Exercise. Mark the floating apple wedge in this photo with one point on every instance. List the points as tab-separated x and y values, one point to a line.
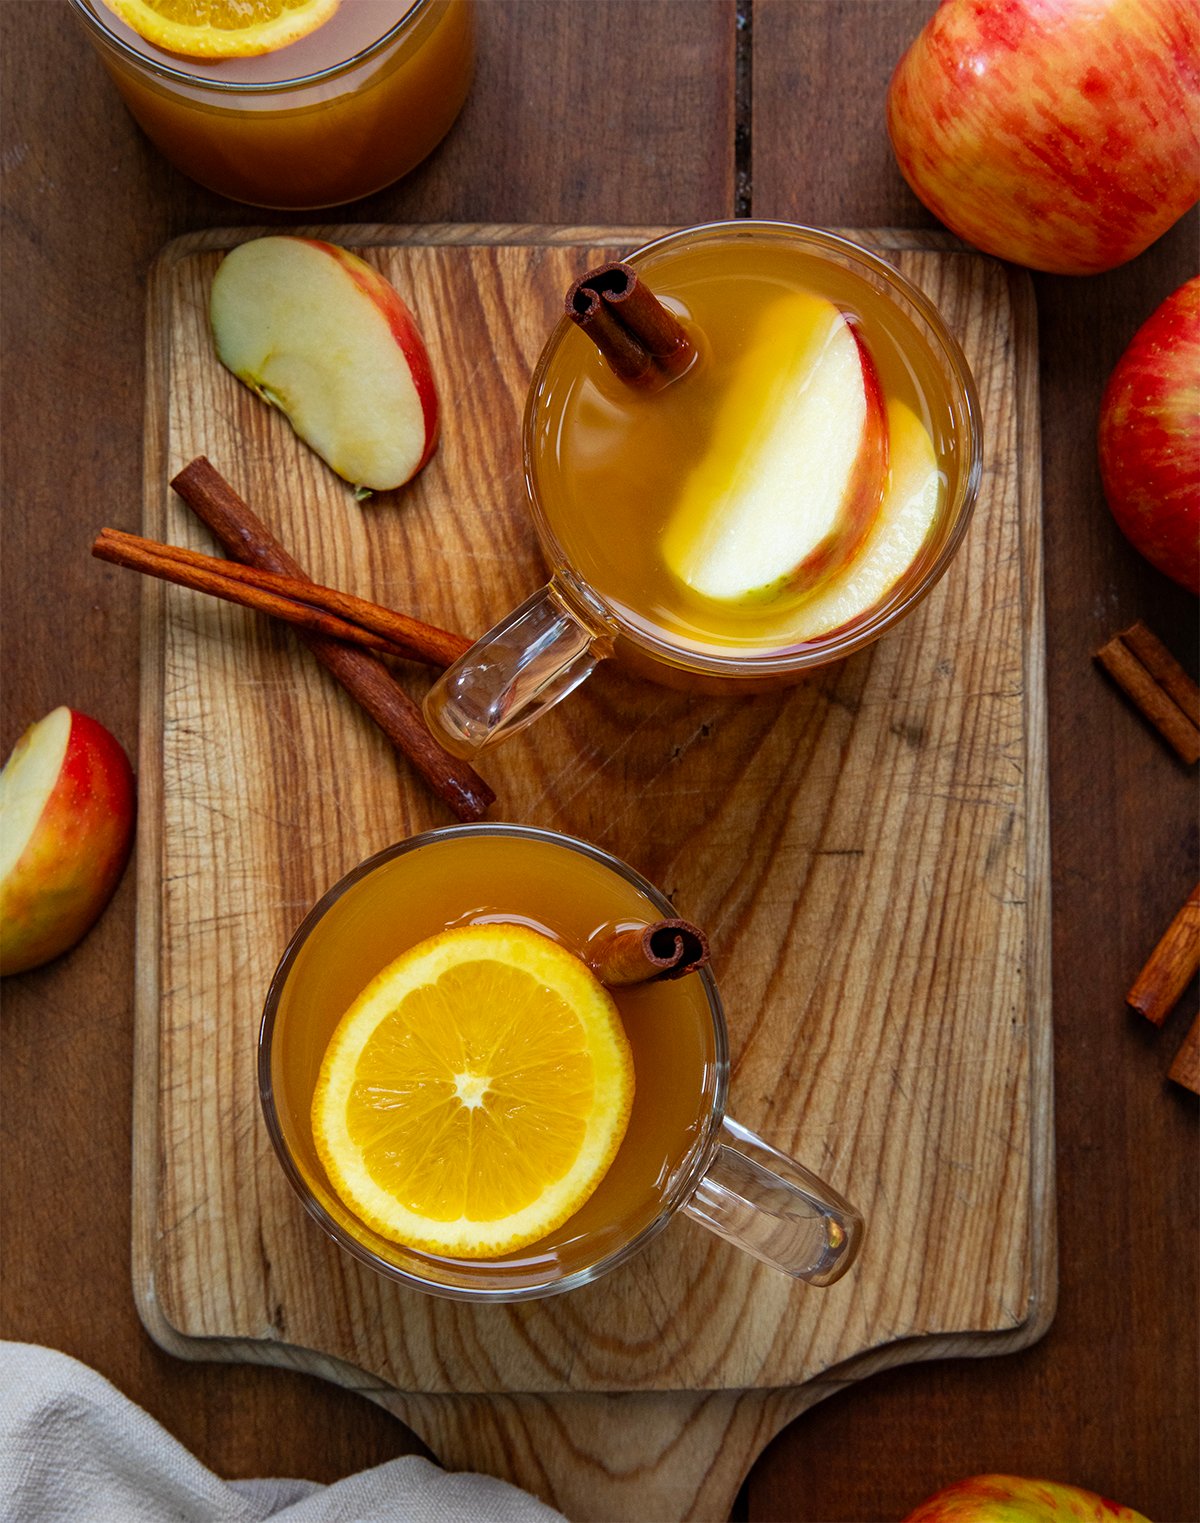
906	515
792	476
66	824
318	333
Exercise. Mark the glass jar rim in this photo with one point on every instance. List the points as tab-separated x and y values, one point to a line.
91	18
595	607
682	1183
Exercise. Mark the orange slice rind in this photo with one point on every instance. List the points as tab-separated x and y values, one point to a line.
475	1094
222	28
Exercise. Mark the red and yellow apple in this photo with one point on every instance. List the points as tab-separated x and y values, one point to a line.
1061	134
1011	1499
319	334
66	826
1150	438
792	476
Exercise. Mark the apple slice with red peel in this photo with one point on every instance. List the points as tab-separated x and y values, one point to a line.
66	826
910	504
318	333
793	473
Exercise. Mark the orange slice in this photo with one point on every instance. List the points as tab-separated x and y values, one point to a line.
222	28
475	1093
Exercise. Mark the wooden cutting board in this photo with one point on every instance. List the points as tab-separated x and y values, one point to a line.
868	851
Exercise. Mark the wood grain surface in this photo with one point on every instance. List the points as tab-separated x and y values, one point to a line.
659	133
873	878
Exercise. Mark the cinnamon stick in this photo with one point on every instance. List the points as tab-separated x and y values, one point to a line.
1185	1069
643	954
1171	966
643	341
216	503
1140	664
1164	668
323	610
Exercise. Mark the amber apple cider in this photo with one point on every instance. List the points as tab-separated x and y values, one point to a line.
337	115
606	463
570	896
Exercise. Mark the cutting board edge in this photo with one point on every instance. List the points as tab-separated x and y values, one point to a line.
465	234
1043	1204
969	1344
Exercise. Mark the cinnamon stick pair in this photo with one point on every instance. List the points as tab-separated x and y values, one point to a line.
364	677
1149	675
1151	678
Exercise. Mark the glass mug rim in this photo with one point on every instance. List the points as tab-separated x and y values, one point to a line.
684	1180
91	18
585	600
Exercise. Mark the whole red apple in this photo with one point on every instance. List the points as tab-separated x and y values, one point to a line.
66	825
1061	134
1010	1499
1150	437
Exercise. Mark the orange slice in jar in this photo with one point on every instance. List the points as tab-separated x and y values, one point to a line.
475	1094
222	28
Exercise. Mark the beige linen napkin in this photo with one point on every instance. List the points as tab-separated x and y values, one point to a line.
74	1450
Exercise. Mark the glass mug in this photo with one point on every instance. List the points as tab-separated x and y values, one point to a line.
596	489
681	1152
336	116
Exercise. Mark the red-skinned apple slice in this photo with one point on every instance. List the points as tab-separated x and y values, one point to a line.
910	504
318	333
66	826
791	479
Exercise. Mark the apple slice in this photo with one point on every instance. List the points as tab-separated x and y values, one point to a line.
793	473
318	333
66	825
910	503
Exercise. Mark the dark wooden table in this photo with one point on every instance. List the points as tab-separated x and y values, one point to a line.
638	111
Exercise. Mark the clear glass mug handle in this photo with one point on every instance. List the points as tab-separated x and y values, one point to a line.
523	666
767	1204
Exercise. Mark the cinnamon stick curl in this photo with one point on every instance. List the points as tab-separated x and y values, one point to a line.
665	949
643	341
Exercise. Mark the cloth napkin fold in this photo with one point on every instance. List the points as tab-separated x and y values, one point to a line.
74	1450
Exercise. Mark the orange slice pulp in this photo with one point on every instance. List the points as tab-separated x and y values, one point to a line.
474	1095
222	28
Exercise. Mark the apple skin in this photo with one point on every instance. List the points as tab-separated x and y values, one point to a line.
1011	1499
1149	441
74	858
404	330
864	493
1061	134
